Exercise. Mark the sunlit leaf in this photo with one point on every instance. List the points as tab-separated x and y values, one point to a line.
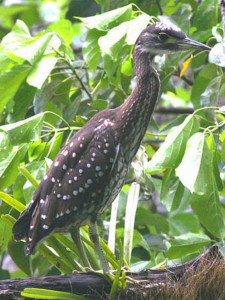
109	19
217	55
49	294
171	151
197	161
24	131
12	202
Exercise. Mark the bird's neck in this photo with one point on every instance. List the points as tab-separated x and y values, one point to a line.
134	114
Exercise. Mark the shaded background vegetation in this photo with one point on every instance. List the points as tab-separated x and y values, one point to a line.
57	71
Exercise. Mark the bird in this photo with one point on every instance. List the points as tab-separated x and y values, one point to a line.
90	170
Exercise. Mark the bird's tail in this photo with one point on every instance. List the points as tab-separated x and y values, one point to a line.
21	226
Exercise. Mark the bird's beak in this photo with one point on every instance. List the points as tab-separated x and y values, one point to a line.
187	43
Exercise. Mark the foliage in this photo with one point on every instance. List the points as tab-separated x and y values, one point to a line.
49	91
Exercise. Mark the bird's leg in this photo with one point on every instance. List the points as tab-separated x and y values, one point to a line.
94	236
75	234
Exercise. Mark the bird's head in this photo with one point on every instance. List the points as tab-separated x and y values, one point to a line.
162	38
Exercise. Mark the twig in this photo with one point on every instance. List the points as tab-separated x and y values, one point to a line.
174	110
159	7
79	79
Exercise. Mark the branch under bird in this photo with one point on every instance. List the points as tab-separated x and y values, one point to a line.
89	172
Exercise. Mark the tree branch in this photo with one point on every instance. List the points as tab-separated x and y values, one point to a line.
208	266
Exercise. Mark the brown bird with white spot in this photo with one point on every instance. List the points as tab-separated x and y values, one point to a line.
90	170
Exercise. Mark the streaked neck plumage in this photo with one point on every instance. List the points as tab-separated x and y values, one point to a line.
134	114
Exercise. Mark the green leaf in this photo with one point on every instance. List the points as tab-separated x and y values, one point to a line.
10	81
217	55
12	202
24	131
146	217
5	235
202	80
210	96
172	191
54	259
99	104
33	50
9	161
63	253
22	100
16	251
209	210
91	49
171	151
113	42
135	27
108	20
197	161
182	223
49	294
64	29
186	244
41	70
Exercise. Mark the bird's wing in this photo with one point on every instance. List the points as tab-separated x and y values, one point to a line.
73	184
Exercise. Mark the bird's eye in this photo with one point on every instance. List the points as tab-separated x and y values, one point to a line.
163	36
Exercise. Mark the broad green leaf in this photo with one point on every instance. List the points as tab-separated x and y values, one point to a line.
182	223
33	172
41	70
217	55
49	294
9	161
24	131
171	151
64	29
197	162
216	160
33	51
210	96
186	244
91	49
17	37
10	81
113	42
131	207
209	210
109	19
99	104
16	251
172	191
202	80
22	100
135	27
146	217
